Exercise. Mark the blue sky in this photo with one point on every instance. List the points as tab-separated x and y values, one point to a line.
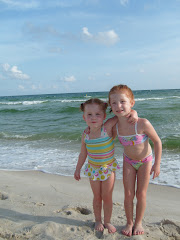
58	46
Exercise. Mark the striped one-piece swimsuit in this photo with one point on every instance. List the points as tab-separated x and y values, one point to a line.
101	161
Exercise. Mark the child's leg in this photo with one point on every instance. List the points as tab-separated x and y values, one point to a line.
97	204
129	180
107	190
143	176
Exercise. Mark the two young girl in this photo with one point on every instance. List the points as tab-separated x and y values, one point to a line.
98	145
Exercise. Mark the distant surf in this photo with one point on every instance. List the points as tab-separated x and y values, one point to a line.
43	132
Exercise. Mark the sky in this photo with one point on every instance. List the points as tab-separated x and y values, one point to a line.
68	46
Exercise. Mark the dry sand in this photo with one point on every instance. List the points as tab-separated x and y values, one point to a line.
35	205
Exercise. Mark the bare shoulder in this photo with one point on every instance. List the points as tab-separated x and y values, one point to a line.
143	123
83	136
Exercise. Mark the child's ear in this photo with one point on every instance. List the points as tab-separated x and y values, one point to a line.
132	103
104	116
84	117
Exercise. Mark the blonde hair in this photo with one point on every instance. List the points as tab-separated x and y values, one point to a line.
122	88
103	105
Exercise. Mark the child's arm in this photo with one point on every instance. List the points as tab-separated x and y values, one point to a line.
132	116
150	131
111	122
109	126
81	159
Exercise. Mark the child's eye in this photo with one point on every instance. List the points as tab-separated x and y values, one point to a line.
89	114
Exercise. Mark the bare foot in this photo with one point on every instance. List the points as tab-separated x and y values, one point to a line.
127	231
99	226
110	227
138	229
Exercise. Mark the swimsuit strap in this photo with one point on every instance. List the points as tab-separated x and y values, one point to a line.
103	132
136	128
117	129
86	136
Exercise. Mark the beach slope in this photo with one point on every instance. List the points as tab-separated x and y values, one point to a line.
36	205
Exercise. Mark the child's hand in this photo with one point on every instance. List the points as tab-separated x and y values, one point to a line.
77	175
132	117
87	130
156	170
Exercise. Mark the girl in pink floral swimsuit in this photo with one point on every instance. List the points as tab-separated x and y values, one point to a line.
137	156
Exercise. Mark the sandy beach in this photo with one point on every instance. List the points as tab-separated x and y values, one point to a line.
36	205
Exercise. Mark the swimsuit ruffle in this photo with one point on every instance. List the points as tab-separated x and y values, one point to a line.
101	173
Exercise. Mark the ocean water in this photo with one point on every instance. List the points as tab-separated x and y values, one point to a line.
43	132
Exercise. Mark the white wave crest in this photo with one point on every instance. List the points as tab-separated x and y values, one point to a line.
23	102
147	99
15	136
33	102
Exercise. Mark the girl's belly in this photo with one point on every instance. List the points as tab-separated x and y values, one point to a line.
138	152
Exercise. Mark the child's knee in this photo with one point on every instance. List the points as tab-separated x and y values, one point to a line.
107	198
141	195
129	195
98	198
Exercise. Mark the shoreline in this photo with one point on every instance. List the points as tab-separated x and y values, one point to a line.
38	205
43	171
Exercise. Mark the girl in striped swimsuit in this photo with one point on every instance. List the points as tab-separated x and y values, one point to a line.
98	145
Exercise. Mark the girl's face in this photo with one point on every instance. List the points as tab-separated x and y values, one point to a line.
120	103
94	115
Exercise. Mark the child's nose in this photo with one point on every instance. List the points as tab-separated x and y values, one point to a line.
119	105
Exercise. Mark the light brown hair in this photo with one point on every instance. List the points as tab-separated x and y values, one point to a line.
103	105
122	88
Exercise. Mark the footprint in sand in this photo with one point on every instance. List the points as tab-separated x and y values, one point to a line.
82	210
170	228
69	210
40	204
3	196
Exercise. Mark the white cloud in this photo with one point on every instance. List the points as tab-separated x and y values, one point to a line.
86	32
21	87
124	2
63	3
37	4
91	78
20	4
55	50
54	86
70	79
141	70
13	72
39	32
92	2
43	33
108	74
18	74
5	66
107	38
